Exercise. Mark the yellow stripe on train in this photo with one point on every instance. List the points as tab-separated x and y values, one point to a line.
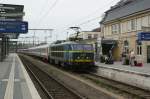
81	60
75	51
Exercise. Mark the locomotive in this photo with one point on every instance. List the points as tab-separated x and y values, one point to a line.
67	54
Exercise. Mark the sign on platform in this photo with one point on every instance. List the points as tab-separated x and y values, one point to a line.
9	8
144	36
13	27
11	12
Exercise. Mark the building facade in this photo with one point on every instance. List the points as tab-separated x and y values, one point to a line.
123	22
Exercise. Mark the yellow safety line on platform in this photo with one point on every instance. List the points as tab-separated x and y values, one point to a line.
10	85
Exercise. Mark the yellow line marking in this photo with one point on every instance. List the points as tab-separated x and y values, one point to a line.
10	85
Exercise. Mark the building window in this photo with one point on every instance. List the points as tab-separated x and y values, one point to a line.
129	26
89	36
124	27
95	36
145	21
139	23
115	28
133	24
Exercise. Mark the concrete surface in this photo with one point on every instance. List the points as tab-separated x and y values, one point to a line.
136	76
14	80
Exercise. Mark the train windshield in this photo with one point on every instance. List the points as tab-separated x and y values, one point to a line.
88	47
82	47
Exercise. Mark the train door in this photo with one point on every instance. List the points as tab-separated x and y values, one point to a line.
148	54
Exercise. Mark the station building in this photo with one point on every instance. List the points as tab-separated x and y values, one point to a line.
122	24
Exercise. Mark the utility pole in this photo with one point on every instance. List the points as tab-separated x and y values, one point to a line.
46	37
34	38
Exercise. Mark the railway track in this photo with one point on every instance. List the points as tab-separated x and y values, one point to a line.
130	92
124	90
52	88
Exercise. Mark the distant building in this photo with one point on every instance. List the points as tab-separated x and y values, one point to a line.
87	35
122	23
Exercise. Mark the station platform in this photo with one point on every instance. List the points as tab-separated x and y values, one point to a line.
132	75
15	82
144	70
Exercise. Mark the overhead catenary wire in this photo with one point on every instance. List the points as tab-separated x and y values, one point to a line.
42	9
81	19
48	11
95	18
87	16
66	27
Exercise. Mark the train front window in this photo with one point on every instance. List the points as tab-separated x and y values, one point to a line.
77	47
88	47
82	47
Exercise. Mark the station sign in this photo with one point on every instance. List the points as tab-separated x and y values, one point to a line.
11	18
13	27
9	8
144	36
8	11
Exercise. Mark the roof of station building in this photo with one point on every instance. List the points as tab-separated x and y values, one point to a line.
125	8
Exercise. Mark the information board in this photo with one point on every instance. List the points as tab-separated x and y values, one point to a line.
144	36
8	8
13	27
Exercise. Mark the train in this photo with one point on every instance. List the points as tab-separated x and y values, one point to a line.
67	54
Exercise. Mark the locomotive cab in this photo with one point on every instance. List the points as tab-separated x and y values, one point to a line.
82	54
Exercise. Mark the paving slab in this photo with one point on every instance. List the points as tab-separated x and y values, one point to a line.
15	82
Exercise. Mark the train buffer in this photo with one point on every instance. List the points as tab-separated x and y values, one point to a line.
15	82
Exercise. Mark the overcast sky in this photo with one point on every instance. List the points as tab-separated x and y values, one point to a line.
62	14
